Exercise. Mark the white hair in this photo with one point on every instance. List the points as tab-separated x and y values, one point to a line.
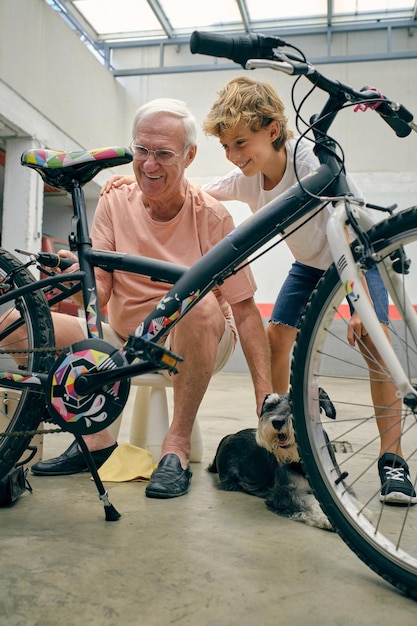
172	106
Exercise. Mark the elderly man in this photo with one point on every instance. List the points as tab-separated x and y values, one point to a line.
162	215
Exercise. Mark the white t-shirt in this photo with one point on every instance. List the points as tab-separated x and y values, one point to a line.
309	243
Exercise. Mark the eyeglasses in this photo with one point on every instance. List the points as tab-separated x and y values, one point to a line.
163	157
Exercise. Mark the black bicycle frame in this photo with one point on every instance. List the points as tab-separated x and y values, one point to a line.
221	261
190	284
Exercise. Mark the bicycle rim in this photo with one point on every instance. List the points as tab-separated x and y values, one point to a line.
21	411
344	473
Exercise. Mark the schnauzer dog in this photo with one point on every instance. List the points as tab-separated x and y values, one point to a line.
265	462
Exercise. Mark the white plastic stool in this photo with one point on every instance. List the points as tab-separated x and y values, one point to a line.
150	418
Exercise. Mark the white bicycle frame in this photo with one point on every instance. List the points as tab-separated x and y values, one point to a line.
352	279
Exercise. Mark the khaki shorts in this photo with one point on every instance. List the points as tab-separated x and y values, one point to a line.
225	348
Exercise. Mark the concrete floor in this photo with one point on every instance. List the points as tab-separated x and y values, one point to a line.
208	558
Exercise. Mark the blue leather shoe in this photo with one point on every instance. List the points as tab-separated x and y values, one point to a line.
71	461
169	480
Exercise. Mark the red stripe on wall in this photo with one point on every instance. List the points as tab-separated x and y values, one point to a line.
266	310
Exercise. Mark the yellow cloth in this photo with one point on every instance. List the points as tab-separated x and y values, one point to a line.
127	463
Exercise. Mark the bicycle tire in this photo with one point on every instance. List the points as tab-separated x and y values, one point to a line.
382	536
22	411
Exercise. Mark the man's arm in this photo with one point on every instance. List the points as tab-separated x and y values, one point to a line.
255	347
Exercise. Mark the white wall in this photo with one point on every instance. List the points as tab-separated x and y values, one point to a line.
44	63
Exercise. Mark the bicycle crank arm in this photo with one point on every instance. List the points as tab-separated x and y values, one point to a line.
94	381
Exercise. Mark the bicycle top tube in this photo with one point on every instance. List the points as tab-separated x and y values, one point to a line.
63	169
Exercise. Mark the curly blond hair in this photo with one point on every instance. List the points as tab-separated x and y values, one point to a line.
255	103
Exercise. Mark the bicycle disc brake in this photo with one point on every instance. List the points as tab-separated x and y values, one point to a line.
84	414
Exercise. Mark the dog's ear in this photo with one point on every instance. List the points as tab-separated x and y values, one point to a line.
270	401
326	404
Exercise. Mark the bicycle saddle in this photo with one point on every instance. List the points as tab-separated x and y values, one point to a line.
62	169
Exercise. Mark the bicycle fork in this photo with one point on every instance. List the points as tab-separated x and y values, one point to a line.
351	277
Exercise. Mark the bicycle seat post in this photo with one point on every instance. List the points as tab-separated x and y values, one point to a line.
80	242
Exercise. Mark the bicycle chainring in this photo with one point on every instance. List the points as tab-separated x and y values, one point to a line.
86	414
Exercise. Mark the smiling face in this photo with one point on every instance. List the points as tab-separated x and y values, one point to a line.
249	119
247	149
254	151
162	183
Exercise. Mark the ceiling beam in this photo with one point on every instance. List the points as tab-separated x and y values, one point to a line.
106	48
161	17
243	9
330	12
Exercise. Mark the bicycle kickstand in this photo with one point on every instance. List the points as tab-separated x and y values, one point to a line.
111	514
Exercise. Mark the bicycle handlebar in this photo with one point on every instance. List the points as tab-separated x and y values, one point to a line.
245	49
238	49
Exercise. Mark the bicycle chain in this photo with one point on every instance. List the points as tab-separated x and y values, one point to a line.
31	350
31	433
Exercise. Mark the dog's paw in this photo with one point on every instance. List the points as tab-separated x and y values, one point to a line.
312	514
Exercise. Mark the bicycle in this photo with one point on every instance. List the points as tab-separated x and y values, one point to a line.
64	389
340	456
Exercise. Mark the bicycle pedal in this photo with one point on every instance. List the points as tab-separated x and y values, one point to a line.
152	353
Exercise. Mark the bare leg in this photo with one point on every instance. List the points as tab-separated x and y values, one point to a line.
387	406
281	340
196	339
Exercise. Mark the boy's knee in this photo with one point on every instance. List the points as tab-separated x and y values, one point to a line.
280	336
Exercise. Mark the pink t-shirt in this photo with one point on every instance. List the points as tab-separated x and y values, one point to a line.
122	223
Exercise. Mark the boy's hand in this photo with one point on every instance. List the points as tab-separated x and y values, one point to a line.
355	329
117	181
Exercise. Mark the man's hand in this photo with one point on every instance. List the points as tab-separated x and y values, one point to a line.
67	254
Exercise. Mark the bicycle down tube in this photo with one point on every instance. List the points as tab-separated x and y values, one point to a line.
193	283
216	265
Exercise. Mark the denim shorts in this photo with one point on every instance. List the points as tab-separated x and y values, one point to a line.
300	283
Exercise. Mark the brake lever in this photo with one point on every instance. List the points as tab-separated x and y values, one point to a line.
284	65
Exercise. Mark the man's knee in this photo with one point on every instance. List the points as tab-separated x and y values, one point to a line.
206	316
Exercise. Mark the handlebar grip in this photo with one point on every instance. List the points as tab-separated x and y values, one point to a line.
49	259
238	49
397	118
64	263
398	124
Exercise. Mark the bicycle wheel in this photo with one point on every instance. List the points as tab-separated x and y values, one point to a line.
21	410
340	456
